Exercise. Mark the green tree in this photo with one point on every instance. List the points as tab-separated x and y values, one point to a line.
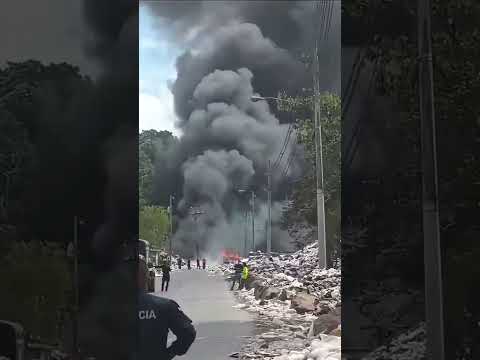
35	279
154	224
154	149
301	214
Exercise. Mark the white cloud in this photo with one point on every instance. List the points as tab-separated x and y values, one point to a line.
157	65
156	112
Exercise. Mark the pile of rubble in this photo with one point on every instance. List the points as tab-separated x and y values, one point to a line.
407	346
294	277
298	303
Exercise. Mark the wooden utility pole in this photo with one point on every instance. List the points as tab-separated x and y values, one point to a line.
431	228
322	251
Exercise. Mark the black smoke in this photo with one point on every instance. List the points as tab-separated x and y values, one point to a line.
235	50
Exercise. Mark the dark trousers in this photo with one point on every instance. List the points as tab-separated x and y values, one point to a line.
236	279
165	281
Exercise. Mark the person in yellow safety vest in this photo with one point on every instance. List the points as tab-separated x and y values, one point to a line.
245	273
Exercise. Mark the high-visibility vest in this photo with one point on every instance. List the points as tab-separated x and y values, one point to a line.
245	273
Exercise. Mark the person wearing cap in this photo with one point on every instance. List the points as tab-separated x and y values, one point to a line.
157	316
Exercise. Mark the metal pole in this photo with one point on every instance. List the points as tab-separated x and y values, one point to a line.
431	228
171	225
322	251
246	235
253	220
269	225
75	288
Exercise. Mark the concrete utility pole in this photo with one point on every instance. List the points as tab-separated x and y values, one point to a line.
253	220
269	205
246	235
322	249
431	228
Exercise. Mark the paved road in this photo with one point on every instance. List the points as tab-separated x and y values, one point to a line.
207	301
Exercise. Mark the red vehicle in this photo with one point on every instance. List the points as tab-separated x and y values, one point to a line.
230	256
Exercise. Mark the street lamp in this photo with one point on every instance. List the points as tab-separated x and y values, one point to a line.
321	234
254	97
269	178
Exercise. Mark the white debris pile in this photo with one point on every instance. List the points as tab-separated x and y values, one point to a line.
276	310
297	271
407	346
328	347
297	306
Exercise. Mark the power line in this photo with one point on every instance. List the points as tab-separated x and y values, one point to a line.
290	158
284	146
350	149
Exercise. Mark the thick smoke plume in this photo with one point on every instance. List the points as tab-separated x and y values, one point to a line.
230	139
235	50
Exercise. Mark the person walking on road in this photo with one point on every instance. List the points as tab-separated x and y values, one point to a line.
188	264
156	317
245	274
179	263
198	263
236	278
165	276
204	263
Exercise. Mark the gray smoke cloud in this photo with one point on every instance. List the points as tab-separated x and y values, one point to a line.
231	47
235	137
236	49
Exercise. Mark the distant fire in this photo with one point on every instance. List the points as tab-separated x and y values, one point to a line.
230	255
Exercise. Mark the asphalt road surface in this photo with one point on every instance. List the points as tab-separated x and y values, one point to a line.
206	299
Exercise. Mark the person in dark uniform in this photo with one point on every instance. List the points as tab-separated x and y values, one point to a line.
204	263
179	262
188	264
157	316
237	275
198	263
166	275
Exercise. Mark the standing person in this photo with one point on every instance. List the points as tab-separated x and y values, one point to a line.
237	274
165	275
198	263
179	263
204	263
156	317
245	274
188	264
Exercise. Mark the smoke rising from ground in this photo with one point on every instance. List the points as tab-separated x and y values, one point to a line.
235	50
235	137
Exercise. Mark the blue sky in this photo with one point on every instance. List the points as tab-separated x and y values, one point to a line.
157	66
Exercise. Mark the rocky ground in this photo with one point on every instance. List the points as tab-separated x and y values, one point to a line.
297	305
407	346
